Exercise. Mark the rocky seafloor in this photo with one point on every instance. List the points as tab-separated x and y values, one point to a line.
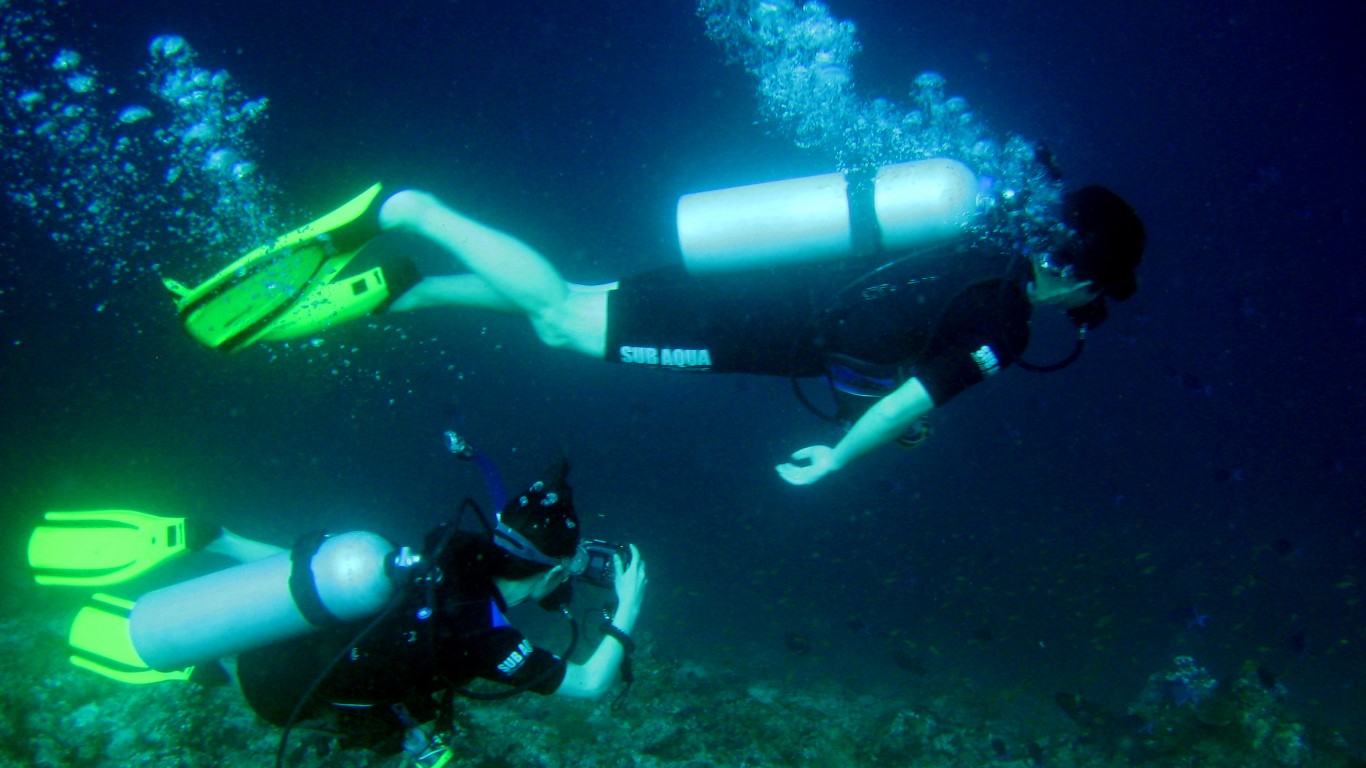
679	713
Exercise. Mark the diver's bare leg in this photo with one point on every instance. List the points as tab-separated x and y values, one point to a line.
563	314
242	549
454	291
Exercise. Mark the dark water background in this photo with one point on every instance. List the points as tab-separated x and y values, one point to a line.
1205	457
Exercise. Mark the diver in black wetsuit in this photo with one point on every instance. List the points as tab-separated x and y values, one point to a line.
904	311
895	341
351	632
385	690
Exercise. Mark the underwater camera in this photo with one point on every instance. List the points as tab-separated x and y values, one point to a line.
599	571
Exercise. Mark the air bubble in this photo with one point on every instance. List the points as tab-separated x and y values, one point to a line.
66	60
186	183
81	83
199	132
166	46
834	74
220	160
134	114
799	55
929	80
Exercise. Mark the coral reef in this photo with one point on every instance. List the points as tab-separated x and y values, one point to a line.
680	713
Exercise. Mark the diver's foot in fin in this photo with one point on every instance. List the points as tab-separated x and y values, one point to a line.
101	642
241	303
400	275
200	532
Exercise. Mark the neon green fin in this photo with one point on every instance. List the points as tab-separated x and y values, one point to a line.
102	547
101	643
338	301
240	303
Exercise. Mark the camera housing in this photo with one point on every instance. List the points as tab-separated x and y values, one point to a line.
600	571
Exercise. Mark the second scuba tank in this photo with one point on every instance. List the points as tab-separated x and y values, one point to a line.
831	216
323	581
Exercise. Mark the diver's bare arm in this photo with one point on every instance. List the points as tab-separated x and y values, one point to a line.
592	678
887	420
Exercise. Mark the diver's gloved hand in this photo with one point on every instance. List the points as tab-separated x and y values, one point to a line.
821	460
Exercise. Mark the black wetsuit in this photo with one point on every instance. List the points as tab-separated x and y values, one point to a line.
406	659
950	316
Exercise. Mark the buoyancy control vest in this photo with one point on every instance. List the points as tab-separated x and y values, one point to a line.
877	325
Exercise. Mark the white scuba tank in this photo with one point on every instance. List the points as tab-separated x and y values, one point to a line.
258	603
831	216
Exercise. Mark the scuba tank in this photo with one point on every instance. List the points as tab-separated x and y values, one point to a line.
831	216
324	581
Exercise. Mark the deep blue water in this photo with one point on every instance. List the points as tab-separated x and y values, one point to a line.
1205	457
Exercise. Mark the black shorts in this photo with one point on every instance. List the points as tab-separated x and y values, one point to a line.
740	323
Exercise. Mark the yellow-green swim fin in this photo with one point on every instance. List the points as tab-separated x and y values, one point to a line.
336	301
101	642
101	547
254	297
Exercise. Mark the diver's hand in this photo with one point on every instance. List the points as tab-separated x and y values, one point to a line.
821	460
630	585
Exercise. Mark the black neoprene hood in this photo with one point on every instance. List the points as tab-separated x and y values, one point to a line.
1110	240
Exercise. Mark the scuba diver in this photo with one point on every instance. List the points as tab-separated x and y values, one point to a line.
872	281
349	633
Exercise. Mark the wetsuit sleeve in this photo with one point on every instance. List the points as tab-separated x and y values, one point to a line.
984	329
504	655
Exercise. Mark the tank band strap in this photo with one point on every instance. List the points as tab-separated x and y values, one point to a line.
303	587
865	233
